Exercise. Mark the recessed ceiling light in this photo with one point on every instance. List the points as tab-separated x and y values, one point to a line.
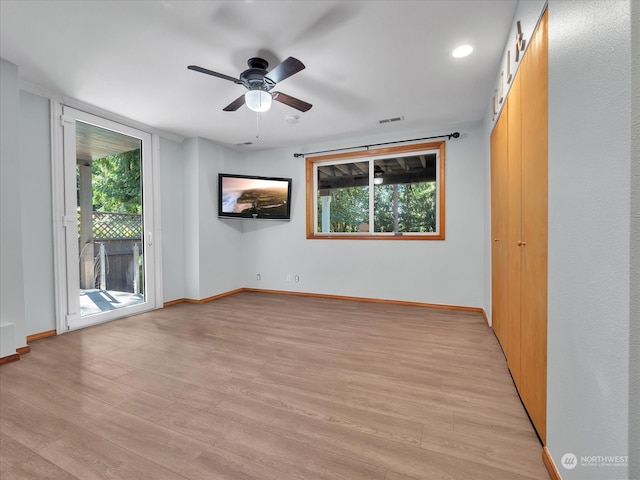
462	51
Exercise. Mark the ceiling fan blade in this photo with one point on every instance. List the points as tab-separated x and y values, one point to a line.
287	68
196	68
235	105
291	101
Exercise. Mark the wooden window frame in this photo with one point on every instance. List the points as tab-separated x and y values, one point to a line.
312	193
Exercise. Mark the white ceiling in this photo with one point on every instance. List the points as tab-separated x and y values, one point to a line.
365	61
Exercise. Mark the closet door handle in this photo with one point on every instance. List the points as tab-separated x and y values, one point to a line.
521	243
496	239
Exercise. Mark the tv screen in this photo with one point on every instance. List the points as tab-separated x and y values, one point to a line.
247	196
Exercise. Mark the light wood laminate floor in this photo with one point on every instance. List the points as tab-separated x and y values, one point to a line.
268	387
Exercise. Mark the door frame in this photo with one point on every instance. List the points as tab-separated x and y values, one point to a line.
62	222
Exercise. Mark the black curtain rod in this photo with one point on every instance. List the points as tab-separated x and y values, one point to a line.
449	136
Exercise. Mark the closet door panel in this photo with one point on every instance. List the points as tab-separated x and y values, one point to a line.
534	70
499	283
514	229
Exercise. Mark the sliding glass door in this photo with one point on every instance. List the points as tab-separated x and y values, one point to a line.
108	220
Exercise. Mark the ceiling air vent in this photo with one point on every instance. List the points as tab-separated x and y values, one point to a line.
243	144
391	120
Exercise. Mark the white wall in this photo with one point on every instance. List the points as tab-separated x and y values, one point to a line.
589	233
37	225
220	249
449	272
634	287
191	228
12	305
172	216
212	247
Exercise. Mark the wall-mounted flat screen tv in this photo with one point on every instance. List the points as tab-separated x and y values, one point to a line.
247	196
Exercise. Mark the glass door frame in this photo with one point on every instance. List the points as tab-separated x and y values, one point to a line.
66	249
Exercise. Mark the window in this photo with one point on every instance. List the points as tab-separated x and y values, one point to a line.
388	193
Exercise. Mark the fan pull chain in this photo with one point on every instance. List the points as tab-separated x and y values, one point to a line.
257	125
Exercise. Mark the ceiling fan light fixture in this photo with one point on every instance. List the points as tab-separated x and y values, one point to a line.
259	82
258	100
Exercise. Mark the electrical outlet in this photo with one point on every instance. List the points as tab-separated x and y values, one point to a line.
297	278
288	277
259	277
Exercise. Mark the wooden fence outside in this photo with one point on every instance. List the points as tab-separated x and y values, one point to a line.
121	236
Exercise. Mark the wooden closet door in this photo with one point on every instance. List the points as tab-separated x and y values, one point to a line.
514	229
499	282
533	367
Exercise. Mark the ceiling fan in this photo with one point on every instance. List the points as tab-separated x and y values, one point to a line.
259	82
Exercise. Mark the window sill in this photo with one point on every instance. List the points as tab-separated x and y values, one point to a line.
380	236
